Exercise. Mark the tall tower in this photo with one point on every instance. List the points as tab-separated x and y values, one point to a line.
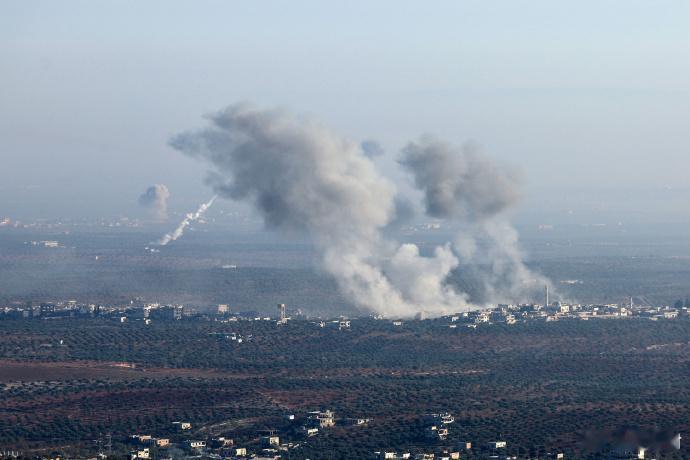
283	317
546	295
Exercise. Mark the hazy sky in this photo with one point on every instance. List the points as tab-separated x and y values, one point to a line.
587	93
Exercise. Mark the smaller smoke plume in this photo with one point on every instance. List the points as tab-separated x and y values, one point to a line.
464	186
189	218
155	198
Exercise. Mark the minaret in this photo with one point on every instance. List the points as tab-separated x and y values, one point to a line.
546	295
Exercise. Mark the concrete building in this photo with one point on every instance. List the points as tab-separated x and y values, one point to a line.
182	426
311	431
322	419
270	441
436	432
137	454
221	442
498	445
142	438
197	444
444	418
424	457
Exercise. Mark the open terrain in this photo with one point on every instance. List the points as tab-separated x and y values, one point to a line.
539	386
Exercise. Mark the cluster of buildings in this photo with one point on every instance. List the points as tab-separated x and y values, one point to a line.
437	454
437	425
46	243
270	444
189	444
512	314
495	450
69	223
502	313
136	311
74	309
264	445
145	446
436	430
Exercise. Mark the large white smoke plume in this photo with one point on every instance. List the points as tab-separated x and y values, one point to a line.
304	178
188	219
155	198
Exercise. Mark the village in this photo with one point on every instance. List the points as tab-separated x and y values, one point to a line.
469	317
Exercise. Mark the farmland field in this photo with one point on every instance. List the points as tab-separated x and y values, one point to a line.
540	386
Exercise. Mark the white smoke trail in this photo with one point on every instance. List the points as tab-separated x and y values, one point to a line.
189	218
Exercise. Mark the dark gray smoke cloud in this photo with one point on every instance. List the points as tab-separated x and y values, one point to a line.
155	198
463	185
304	178
458	183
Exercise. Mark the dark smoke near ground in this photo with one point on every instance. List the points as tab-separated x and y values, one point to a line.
305	179
155	198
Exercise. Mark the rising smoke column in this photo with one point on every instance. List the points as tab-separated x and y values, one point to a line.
305	179
188	219
155	198
466	187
